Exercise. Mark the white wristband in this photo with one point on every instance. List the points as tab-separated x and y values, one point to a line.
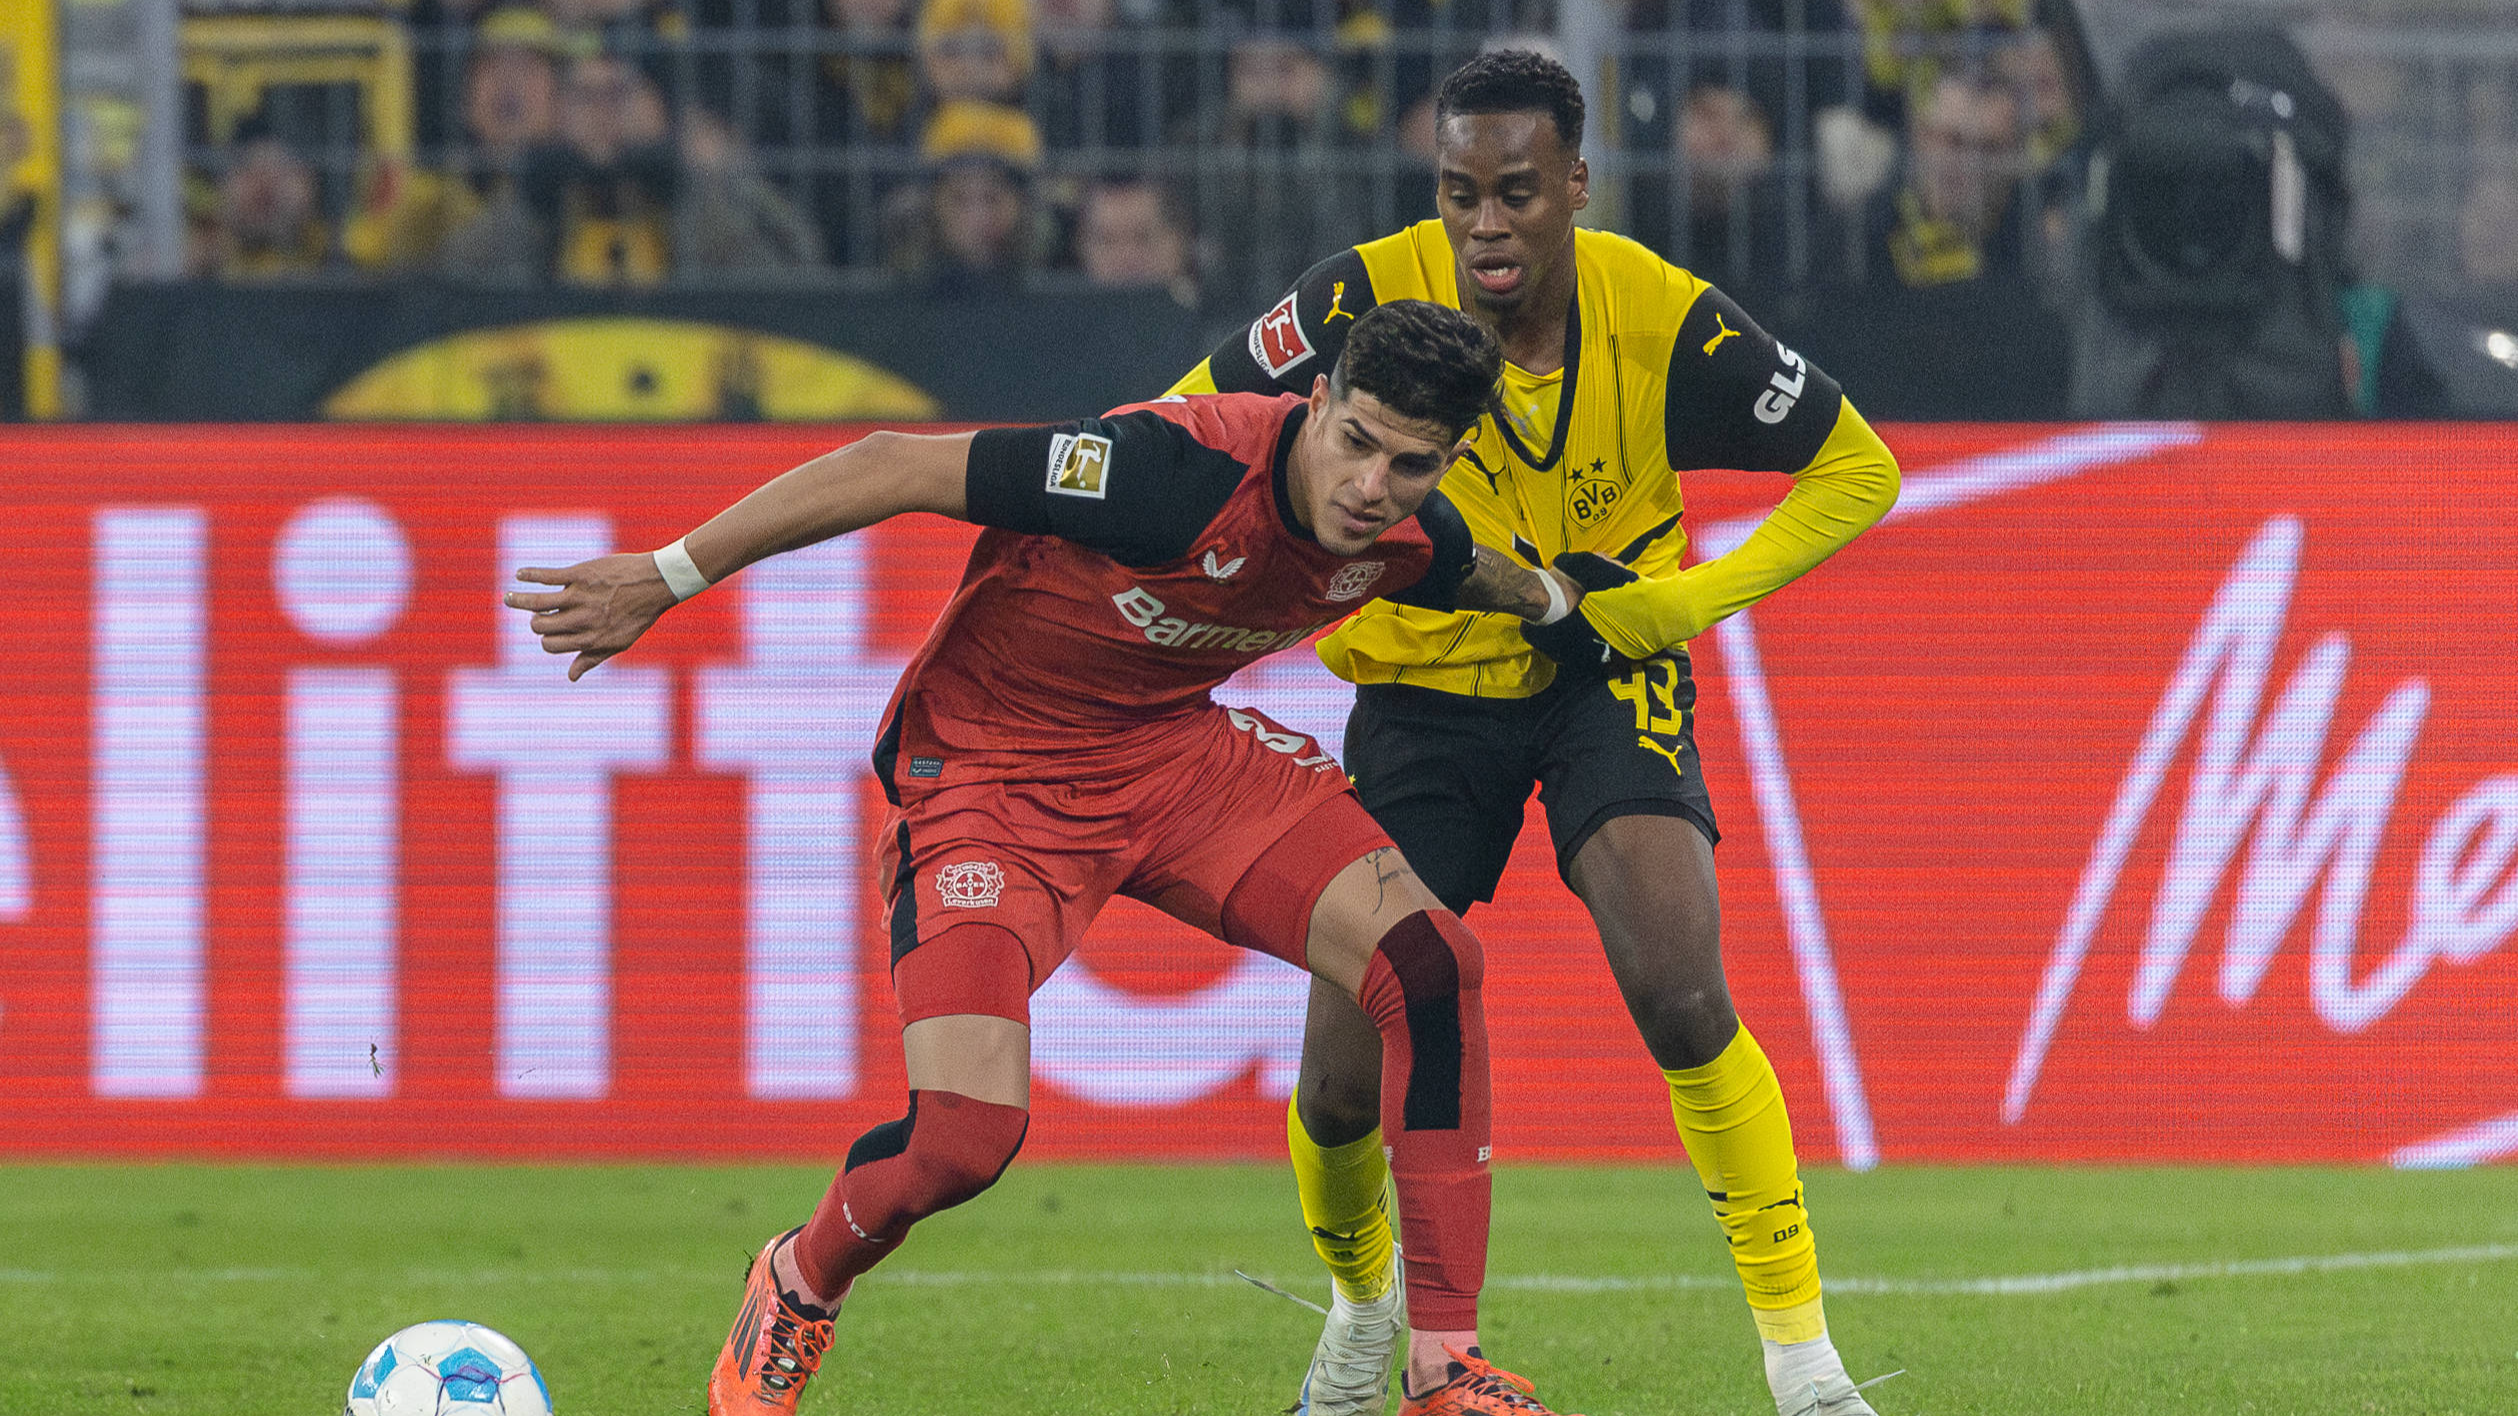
680	572
1558	606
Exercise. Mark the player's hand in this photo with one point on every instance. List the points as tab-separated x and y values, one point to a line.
599	609
1574	642
1642	618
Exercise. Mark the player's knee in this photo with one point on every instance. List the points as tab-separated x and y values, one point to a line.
1338	1106
954	1147
1431	958
1684	1026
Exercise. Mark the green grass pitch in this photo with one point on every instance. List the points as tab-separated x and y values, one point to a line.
183	1290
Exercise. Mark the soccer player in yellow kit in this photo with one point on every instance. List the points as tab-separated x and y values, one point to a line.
1622	371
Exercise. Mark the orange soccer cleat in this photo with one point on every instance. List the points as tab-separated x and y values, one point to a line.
1481	1389
775	1348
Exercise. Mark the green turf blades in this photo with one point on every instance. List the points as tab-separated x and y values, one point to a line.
1611	1288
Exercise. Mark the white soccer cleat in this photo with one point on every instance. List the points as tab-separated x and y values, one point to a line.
1350	1369
1834	1395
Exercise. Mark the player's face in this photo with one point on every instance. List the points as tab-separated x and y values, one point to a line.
1508	187
1361	468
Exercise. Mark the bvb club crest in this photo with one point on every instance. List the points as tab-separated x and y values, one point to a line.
970	884
1590	500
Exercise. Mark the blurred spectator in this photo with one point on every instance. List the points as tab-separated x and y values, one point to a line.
1748	95
2032	67
729	219
633	29
594	206
1277	90
511	91
860	144
1095	88
969	230
1728	221
1279	164
510	107
2487	229
264	220
1134	233
975	49
1773	52
867	82
1907	44
1955	218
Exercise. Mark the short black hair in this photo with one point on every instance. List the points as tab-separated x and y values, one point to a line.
1515	81
1423	361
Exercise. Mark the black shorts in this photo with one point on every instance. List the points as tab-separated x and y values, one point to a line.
1447	775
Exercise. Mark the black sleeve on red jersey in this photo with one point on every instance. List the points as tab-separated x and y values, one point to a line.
1300	335
1455	555
1736	398
1135	487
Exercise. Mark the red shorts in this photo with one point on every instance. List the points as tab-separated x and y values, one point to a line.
1222	791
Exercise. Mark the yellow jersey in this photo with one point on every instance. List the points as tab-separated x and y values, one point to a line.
1662	373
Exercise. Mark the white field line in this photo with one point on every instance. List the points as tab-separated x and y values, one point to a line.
1997	1286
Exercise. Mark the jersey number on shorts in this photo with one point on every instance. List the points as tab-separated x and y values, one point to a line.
1654	683
1278	740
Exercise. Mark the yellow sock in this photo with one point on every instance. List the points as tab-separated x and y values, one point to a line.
1731	1118
1345	1201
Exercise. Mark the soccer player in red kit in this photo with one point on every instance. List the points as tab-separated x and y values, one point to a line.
1053	743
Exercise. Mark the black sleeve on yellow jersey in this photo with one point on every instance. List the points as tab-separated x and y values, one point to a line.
1455	555
1739	399
1135	487
1300	335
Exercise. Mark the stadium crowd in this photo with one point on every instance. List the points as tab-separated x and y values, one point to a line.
1861	170
965	146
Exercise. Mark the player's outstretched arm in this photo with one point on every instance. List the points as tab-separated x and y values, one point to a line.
1844	491
600	607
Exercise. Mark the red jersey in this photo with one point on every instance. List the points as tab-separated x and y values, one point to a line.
1132	562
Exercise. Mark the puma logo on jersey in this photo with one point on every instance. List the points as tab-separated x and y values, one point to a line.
1669	752
1784	389
1723	332
1077	464
1225	571
1337	297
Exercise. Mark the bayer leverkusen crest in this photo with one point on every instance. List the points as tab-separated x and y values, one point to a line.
970	884
1352	581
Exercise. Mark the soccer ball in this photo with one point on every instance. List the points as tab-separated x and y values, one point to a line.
448	1369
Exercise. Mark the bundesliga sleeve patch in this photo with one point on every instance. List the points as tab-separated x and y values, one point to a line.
1079	463
1277	343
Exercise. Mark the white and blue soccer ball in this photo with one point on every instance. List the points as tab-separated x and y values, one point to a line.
448	1369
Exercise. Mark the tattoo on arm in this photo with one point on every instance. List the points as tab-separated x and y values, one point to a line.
1388	865
1498	582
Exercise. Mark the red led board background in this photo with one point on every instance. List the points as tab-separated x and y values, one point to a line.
2134	793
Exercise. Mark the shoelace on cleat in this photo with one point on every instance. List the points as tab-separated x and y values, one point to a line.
1508	1390
795	1351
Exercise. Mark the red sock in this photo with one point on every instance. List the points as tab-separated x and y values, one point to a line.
1422	992
946	1150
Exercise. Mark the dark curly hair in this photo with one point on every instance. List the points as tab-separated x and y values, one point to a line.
1515	81
1423	361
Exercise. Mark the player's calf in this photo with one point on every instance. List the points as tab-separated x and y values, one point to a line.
947	1150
